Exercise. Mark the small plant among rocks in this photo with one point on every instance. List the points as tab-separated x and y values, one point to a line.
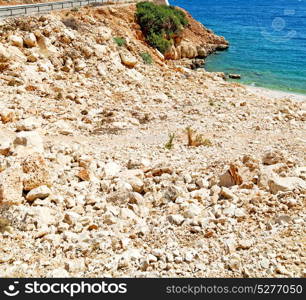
147	58
169	145
120	41
196	139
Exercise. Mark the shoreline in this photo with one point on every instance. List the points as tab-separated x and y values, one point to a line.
276	94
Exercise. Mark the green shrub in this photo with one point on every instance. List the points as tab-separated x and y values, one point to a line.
159	42
160	23
147	58
120	41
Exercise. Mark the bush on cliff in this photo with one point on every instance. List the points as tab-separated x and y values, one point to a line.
160	23
146	57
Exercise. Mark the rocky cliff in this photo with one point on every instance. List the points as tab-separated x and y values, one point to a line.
196	41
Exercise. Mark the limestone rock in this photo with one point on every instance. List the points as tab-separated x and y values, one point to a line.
80	65
40	192
11	185
112	169
202	52
101	70
104	34
128	59
231	177
284	184
84	174
266	173
176	219
134	178
245	244
230	210
36	172
16	55
30	40
192	211
40	215
33	57
5	55
16	40
227	193
272	157
186	50
100	50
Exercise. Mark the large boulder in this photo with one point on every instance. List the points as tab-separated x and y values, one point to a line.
188	50
202	52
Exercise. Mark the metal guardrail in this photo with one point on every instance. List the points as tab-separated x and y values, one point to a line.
18	10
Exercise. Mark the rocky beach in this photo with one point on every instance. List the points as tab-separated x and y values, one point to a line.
113	167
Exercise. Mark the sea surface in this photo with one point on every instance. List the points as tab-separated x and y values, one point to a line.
267	39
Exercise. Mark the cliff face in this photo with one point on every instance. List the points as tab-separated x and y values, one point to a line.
196	41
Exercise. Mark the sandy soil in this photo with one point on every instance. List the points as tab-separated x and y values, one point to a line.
276	94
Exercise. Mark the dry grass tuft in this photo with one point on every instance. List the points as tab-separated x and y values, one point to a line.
195	139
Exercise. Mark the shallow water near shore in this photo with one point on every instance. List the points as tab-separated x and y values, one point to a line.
267	40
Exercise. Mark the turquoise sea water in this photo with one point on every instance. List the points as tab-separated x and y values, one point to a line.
267	39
